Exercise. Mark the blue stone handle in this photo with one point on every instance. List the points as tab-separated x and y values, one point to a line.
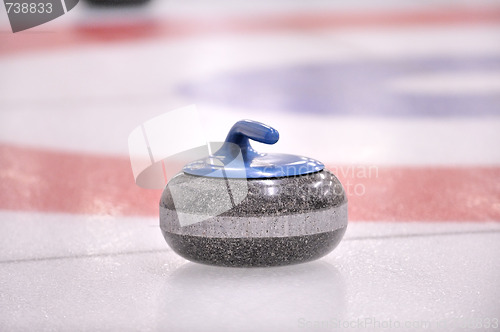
244	130
225	162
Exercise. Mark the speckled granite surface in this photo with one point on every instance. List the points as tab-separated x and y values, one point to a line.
307	223
254	251
256	222
278	196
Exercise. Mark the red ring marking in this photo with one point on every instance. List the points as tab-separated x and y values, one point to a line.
78	183
31	40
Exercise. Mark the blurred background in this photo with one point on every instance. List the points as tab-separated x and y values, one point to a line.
400	99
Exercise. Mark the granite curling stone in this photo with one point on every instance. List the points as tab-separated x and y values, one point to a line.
242	208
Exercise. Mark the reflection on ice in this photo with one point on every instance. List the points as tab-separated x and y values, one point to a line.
258	299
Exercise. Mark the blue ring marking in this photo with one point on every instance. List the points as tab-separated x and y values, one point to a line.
348	89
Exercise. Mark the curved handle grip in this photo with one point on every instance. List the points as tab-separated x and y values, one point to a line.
248	129
227	161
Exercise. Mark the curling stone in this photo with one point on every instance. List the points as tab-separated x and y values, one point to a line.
238	207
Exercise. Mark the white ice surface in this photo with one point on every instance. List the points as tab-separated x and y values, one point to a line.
63	272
